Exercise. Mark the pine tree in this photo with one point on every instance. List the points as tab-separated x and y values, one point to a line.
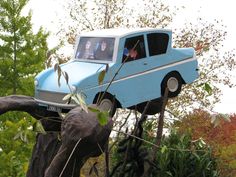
21	52
22	56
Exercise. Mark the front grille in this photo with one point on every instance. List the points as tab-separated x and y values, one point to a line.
51	97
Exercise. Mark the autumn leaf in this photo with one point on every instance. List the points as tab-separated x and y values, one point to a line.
56	67
67	97
66	77
59	75
208	88
101	77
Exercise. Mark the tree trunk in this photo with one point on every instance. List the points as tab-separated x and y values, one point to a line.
81	134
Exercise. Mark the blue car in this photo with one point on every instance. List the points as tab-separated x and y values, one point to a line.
141	64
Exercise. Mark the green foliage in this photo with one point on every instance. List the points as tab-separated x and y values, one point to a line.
222	138
16	143
94	167
22	55
178	156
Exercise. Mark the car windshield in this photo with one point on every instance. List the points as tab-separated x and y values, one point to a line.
95	48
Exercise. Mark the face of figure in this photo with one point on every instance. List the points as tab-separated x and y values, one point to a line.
103	46
88	44
133	53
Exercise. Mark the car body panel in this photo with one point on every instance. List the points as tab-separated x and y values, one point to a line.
137	81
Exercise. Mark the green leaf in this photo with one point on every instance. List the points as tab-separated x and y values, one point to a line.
208	88
201	143
101	77
67	97
17	136
59	75
22	136
66	78
163	149
169	173
38	127
196	155
103	117
92	109
79	98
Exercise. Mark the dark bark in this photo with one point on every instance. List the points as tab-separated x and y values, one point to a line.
82	137
23	103
50	120
44	150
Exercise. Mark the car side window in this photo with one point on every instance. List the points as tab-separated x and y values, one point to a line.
134	49
157	43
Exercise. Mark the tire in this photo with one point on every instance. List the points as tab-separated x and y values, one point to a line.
108	103
173	82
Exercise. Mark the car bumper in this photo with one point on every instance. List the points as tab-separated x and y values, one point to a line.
55	107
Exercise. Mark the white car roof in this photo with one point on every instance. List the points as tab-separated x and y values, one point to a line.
120	32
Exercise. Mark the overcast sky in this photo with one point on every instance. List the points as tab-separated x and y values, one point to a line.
47	13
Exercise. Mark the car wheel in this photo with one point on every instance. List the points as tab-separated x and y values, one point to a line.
173	82
108	103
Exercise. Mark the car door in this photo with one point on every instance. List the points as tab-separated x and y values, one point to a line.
157	45
131	82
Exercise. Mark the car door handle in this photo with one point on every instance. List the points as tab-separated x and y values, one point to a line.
145	63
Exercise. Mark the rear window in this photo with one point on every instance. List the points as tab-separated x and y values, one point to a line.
157	43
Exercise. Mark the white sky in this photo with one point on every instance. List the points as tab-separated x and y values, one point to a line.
47	13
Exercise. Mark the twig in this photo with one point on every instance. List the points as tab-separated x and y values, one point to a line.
148	142
119	131
125	159
70	157
161	119
159	133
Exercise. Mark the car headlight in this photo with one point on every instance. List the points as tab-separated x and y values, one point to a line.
36	83
73	89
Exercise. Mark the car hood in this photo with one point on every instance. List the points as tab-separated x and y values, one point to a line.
77	71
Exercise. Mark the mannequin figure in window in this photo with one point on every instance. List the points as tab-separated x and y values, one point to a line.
86	52
130	54
135	47
133	53
102	53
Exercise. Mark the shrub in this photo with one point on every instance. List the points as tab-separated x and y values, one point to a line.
178	156
222	138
